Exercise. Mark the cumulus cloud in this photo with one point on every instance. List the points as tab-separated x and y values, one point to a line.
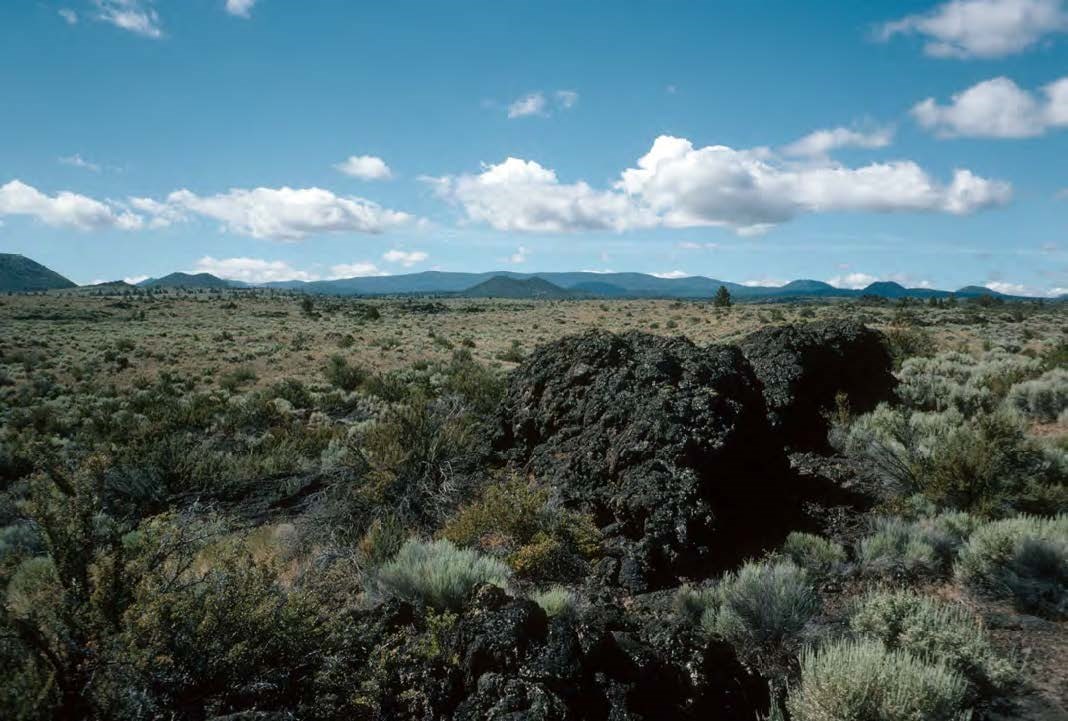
520	256
521	195
251	270
65	209
854	281
407	258
68	15
135	279
240	8
365	167
1009	288
288	213
997	108
982	28
538	103
78	161
677	185
354	270
671	274
822	142
136	16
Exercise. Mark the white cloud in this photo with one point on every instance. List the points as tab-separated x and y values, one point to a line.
65	209
69	15
1009	288
537	103
365	167
1054	292
240	8
407	258
997	108
567	99
982	28
519	256
854	281
764	282
251	270
354	270
136	16
676	185
530	104
671	274
78	161
160	214
521	195
288	213
135	279
822	142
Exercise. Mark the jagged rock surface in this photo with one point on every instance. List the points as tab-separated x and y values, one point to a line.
803	368
666	444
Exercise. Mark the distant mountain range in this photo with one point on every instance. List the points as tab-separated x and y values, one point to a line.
18	273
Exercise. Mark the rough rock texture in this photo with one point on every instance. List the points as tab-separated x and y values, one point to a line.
803	368
605	663
667	444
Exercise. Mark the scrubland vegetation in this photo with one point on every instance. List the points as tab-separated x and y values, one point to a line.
234	503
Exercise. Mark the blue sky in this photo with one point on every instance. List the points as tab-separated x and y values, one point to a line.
762	141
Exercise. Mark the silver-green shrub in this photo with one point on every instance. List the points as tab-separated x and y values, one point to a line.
1024	559
961	382
897	547
762	610
984	464
557	601
815	554
438	574
863	680
936	632
1042	399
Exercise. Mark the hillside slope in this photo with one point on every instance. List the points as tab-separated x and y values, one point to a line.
19	273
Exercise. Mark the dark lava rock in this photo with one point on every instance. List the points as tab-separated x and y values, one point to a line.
607	662
666	444
803	368
500	698
495	635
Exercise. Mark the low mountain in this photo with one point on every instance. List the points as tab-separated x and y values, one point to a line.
971	291
19	273
504	287
186	280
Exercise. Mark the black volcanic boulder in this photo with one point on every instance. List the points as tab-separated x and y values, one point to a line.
666	444
804	367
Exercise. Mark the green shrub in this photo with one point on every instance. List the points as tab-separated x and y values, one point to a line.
898	548
342	374
1042	399
865	681
1024	559
237	378
815	554
936	632
690	602
762	610
541	541
961	382
557	601
438	574
985	464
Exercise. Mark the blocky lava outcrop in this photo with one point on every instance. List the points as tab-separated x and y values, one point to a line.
803	367
668	446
